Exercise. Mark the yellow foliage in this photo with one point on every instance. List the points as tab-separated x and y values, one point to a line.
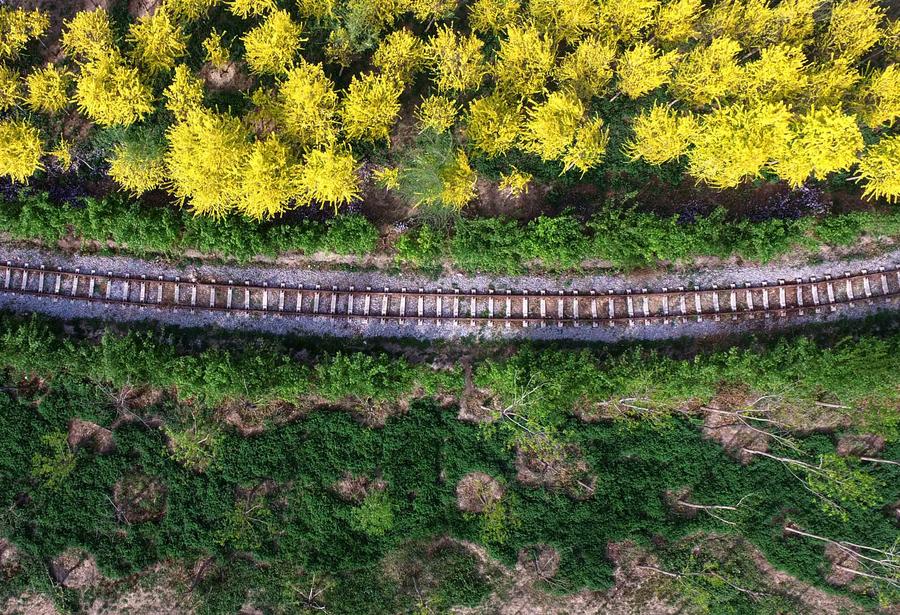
157	42
339	48
401	54
853	28
216	51
735	142
587	151
89	35
111	93
316	9
524	61
251	8
47	89
437	113
138	166
184	93
777	75
425	10
551	126
204	161
879	167
371	107
626	19
879	101
746	21
493	125
458	61
587	70
515	183
189	10
891	40
63	154
565	21
387	177
829	83
642	69
270	47
822	141
268	182
708	73
493	16
676	21
10	88
17	27
661	135
20	156
309	105
458	181
792	21
329	177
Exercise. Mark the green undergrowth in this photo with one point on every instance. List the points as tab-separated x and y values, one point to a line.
624	238
377	554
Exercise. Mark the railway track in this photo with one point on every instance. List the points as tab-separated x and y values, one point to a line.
591	307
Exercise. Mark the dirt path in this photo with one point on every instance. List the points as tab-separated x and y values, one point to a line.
374	328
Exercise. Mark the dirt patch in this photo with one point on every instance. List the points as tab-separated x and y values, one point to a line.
75	570
355	488
29	604
476	405
9	559
477	491
139	498
722	424
229	78
140	8
860	445
155	591
491	201
564	471
252	419
84	434
541	561
842	566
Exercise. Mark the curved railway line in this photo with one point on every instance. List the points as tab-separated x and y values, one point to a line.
474	307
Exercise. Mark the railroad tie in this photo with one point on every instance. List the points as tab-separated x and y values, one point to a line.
439	307
884	283
645	306
698	307
75	282
525	313
799	282
749	298
560	308
193	294
8	274
421	304
715	300
732	302
593	308
455	306
814	290
682	303
508	307
212	293
490	307
629	302
575	308
849	285
350	303
867	288
265	297
229	293
177	290
665	305
781	296
384	304
25	277
298	308
472	306
612	306
543	308
125	287
281	297
41	282
316	299
334	296
829	287
367	302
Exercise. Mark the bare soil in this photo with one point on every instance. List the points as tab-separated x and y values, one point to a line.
230	78
140	8
139	498
29	604
493	202
564	471
860	445
84	434
250	419
477	491
354	488
729	430
75	569
842	565
9	559
542	561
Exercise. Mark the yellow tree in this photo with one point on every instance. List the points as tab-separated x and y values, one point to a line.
524	61
401	54
216	51
89	35
746	21
47	89
676	21
565	21
494	124
516	182
735	142
625	20
830	83
270	47
642	69
251	8
793	22
891	40
437	113
316	9
708	73
589	147
879	100
309	105
10	88
268	180
138	165
20	156
432	10
328	177
587	70
777	75
822	141
370	107
879	167
551	126
17	27
189	10
458	61
184	93
853	28
457	181
493	16
156	42
111	93
204	161
661	135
